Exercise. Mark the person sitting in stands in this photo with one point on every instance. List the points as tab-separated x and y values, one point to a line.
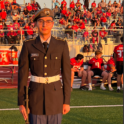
22	22
6	3
81	25
20	33
16	23
34	6
64	3
96	67
56	11
11	36
2	4
72	5
103	20
103	34
62	21
10	26
86	36
29	8
76	20
77	69
3	15
75	28
30	32
15	13
94	35
78	4
63	12
25	12
68	31
2	40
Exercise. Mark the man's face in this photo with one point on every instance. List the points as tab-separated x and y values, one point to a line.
45	24
79	60
98	56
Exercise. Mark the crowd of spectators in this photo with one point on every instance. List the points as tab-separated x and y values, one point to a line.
20	21
102	16
76	18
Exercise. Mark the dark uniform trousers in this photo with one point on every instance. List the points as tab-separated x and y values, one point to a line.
45	100
45	119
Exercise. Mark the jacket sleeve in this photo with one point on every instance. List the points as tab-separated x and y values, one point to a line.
23	72
66	74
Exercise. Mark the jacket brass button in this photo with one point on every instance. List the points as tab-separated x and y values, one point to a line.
34	58
45	57
56	57
45	66
45	74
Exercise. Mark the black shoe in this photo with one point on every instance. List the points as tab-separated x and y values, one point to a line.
83	88
118	90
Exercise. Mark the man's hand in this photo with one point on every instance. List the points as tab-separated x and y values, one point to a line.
66	109
23	111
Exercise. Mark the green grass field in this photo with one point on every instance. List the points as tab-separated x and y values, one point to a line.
105	115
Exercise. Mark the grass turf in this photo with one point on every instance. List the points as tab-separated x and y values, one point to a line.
112	115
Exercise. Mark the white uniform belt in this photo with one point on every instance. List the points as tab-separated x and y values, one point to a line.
45	80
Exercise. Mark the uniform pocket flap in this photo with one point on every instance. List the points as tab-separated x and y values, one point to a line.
55	56
34	58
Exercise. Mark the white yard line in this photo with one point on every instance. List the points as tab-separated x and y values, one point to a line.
97	106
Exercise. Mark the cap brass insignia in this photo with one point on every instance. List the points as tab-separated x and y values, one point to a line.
47	12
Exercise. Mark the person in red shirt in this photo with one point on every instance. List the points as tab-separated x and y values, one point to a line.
34	6
81	24
111	65
12	36
29	8
72	4
16	24
64	3
6	3
75	27
30	32
108	14
3	14
102	34
62	21
10	26
76	20
118	57
96	67
93	4
14	2
2	4
78	5
99	12
103	20
86	36
77	69
63	12
113	25
68	13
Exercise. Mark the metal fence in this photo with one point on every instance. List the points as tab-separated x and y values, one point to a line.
76	37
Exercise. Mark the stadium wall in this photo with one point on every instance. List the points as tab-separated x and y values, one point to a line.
75	49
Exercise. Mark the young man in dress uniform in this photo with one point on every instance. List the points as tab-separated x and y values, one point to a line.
45	56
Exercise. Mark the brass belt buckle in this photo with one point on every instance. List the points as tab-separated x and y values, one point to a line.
46	80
